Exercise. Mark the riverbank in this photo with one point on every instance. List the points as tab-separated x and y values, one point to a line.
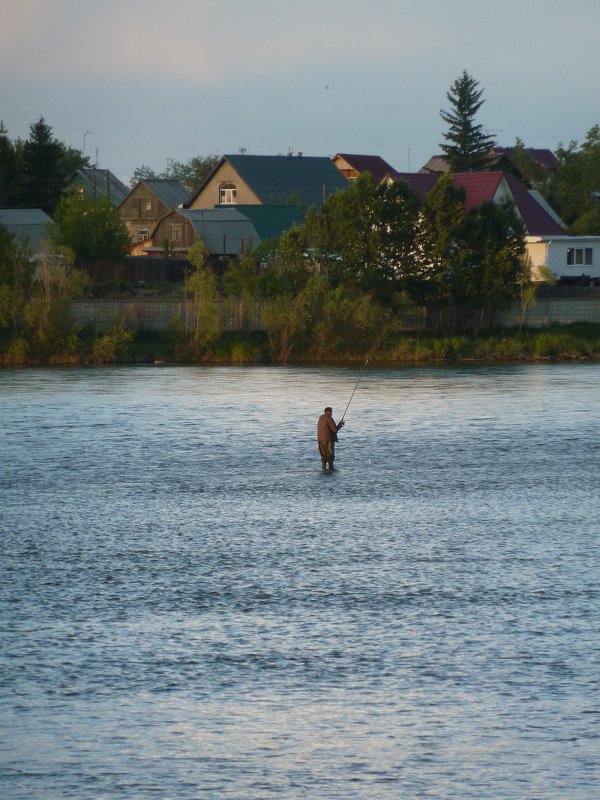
573	342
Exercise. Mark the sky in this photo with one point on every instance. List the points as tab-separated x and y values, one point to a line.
139	82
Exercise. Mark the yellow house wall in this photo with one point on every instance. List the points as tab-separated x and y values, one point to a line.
209	196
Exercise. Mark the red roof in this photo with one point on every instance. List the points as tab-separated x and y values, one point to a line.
537	220
478	186
482	186
373	164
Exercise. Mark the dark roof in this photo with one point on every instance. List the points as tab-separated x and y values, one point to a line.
171	193
537	220
284	179
26	222
95	181
422	183
373	164
542	156
225	231
482	186
272	221
499	158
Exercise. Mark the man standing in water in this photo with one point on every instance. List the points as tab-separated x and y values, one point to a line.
327	437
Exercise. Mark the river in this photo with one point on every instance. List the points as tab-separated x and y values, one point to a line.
191	609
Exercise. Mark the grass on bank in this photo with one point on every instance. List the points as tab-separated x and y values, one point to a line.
576	341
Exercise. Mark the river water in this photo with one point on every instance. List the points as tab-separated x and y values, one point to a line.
191	609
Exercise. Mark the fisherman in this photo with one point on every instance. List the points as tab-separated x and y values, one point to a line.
327	431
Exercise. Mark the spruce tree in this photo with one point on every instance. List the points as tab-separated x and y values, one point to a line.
467	146
45	175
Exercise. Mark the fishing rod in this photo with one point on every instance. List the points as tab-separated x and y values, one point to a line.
363	368
355	388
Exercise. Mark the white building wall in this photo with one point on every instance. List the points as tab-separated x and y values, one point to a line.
553	253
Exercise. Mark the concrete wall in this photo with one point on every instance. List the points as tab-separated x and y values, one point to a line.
156	314
159	315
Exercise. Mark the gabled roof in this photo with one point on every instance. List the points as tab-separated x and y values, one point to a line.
271	222
373	164
97	181
26	222
171	193
542	156
483	186
283	179
537	220
420	182
225	231
478	186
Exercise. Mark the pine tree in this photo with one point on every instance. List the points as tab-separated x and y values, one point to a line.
467	145
45	175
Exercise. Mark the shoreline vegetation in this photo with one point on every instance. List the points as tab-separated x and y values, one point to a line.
571	342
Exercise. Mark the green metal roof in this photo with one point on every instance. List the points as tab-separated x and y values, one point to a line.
223	230
31	223
272	221
171	193
97	182
286	179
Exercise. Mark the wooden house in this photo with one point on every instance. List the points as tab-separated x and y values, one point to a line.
351	166
147	203
269	180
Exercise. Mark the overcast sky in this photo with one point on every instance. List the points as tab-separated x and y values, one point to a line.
143	81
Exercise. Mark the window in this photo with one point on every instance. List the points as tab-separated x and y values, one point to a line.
227	194
175	233
135	205
147	205
143	234
579	257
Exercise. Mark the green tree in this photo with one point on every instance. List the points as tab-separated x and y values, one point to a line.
9	169
532	173
574	190
363	236
467	146
492	271
46	171
91	228
16	276
201	288
433	275
50	327
191	173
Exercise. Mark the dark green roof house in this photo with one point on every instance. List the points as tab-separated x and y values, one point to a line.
96	183
245	180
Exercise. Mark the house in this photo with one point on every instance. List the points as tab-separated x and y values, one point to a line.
147	203
27	224
269	180
95	183
351	166
226	231
568	258
500	159
496	187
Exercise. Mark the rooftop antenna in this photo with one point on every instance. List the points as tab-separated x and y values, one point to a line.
85	135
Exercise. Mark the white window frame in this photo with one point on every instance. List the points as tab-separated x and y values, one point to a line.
227	194
580	257
143	234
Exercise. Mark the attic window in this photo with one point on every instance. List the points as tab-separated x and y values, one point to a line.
227	194
579	257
